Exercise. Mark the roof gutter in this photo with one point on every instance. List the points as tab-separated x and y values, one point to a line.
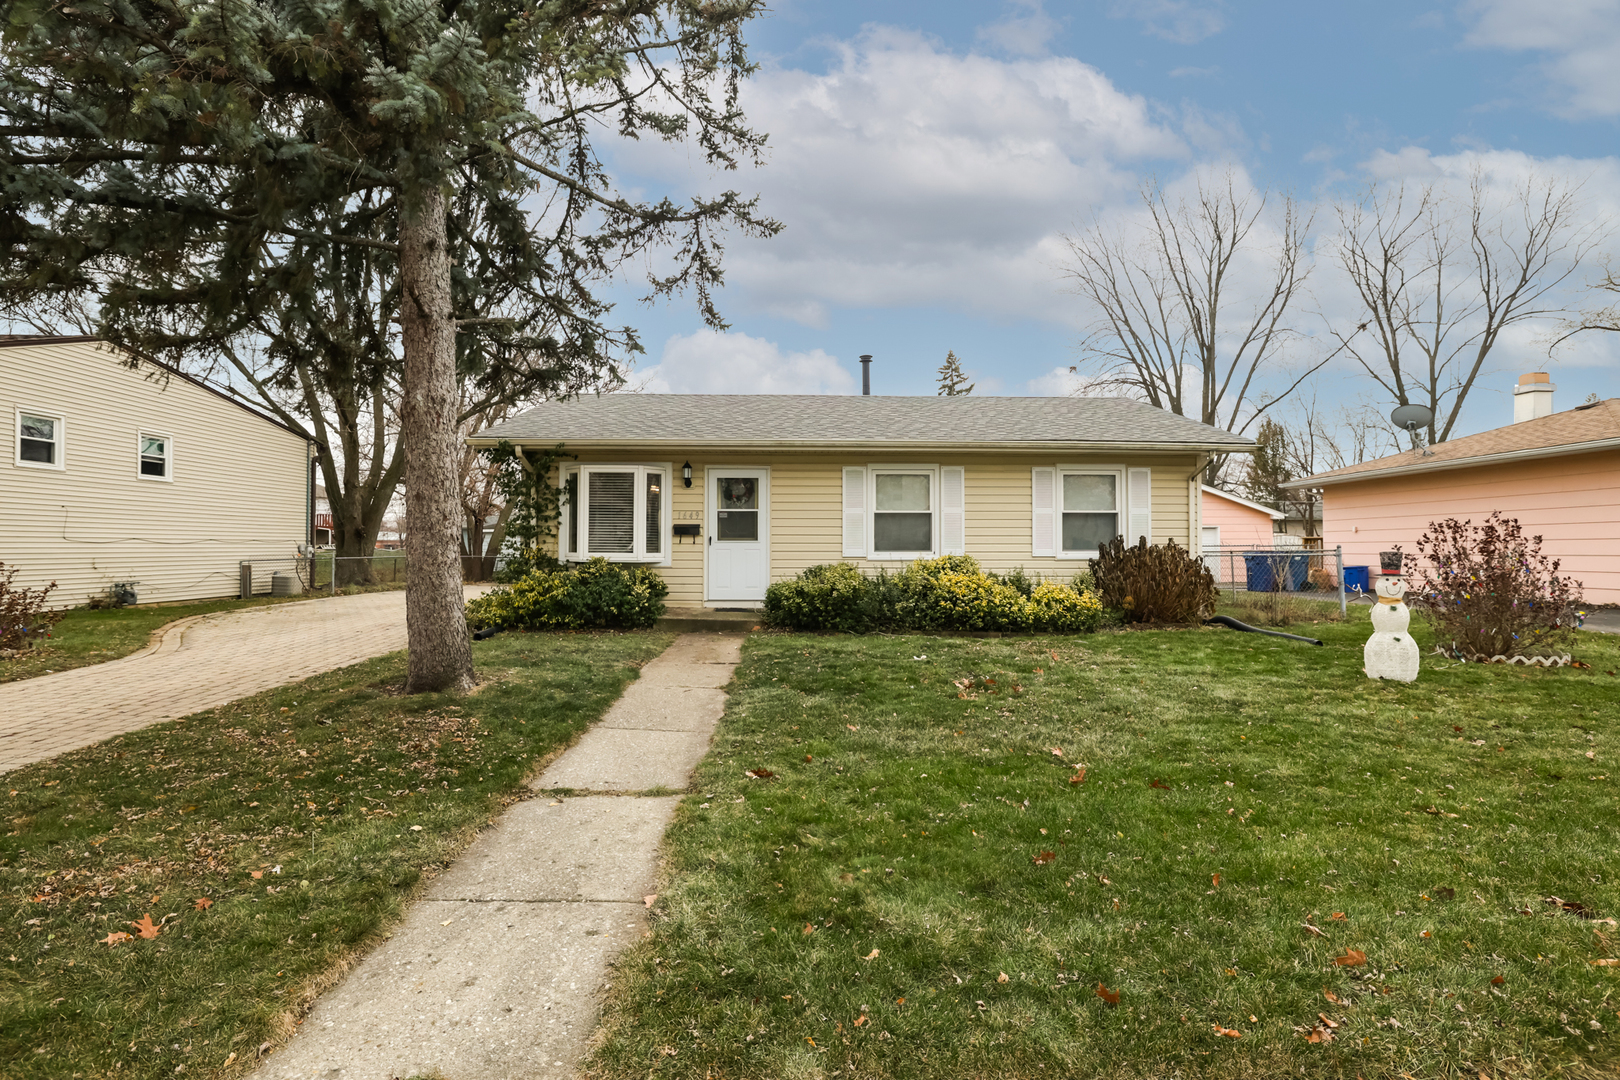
1592	446
873	445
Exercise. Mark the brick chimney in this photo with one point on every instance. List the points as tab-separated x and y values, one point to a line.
1532	398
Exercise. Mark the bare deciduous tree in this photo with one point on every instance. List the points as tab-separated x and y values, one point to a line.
1439	283
1192	311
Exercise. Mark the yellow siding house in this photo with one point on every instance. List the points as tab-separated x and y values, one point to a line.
728	493
138	476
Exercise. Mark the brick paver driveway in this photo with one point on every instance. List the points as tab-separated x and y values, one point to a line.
197	663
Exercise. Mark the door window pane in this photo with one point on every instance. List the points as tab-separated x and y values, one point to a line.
38	441
655	512
611	529
738	493
154	456
736	515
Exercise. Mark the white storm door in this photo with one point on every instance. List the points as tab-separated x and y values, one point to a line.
738	507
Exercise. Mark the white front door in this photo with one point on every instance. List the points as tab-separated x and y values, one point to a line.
738	507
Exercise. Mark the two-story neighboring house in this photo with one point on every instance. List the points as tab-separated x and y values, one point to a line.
123	475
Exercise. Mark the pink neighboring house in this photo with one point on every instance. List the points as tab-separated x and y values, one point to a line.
1558	473
1231	522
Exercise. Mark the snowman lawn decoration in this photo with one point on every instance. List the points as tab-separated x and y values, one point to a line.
1391	653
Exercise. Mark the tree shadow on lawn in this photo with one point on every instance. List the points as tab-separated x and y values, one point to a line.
1276	864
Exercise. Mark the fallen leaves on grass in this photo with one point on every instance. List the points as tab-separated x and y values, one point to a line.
647	901
1497	980
117	937
863	1018
1215	880
202	903
144	927
1351	958
1159	784
1317	1033
760	774
1230	1033
1606	963
808	929
257	874
1045	857
1339	916
1110	997
1001	978
1331	996
1317	930
871	955
1078	778
1574	907
1055	751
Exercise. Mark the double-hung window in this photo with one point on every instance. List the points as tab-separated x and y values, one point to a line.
903	512
618	512
1090	509
41	440
156	460
1079	508
903	519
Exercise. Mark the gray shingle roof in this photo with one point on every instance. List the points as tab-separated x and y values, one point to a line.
805	420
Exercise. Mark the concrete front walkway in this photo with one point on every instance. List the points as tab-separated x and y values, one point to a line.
195	664
496	974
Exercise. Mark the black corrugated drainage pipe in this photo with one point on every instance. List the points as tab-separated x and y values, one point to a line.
1227	620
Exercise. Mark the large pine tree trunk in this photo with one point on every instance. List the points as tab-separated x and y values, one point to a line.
436	625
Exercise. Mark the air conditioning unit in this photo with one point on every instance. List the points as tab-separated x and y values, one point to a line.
285	584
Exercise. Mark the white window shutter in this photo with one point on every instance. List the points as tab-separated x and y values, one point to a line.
1044	507
1140	489
854	513
952	514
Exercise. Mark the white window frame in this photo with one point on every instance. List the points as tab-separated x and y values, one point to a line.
639	552
60	430
1121	503
168	457
934	499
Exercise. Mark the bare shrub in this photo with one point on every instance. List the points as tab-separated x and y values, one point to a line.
1154	583
24	618
1489	591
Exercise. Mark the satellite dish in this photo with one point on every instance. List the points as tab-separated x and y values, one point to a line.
1411	417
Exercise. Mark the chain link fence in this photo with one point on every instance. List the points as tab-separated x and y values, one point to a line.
1307	573
319	572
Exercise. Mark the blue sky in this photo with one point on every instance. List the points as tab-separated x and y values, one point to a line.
928	159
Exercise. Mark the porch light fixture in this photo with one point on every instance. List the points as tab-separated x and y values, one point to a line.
686	474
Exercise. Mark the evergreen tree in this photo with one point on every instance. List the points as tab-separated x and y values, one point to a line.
952	378
197	169
1268	466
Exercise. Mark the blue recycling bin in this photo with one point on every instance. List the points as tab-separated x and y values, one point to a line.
1263	568
1357	577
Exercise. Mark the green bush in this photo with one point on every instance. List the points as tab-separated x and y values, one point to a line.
595	595
948	593
832	598
952	593
1063	609
1163	583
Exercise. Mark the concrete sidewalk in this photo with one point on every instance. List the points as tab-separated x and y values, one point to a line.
195	664
496	973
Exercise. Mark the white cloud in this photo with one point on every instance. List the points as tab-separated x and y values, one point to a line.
909	175
1580	37
1059	382
707	362
1025	32
1180	21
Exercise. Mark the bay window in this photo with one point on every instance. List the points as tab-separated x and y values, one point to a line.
617	512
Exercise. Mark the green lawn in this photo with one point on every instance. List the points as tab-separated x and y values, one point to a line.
86	637
308	816
1252	810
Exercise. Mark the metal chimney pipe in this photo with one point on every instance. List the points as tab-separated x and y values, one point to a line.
866	375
